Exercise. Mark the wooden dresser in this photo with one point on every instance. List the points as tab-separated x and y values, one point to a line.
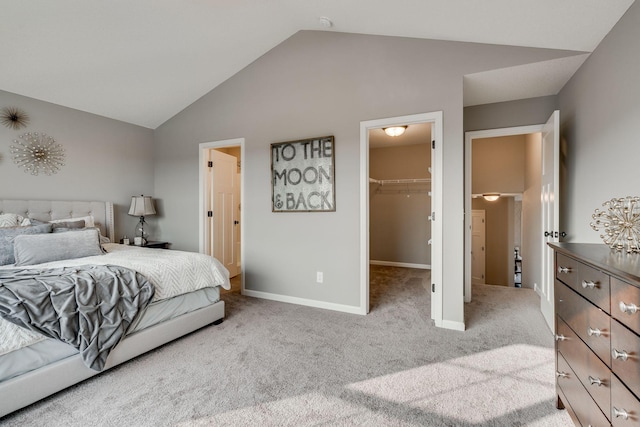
597	307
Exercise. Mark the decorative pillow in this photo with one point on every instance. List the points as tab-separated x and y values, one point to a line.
36	249
88	220
7	236
62	226
13	220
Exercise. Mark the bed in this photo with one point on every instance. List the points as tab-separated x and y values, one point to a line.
44	366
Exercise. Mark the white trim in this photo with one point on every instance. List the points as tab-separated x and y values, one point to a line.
436	205
203	148
449	324
304	301
468	139
400	264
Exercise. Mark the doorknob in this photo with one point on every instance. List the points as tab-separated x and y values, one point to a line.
548	233
563	234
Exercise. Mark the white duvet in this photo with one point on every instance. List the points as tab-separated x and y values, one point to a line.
171	272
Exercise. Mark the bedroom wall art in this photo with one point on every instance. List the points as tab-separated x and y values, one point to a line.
302	175
14	118
37	152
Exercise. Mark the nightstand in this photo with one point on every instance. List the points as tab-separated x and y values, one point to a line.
157	245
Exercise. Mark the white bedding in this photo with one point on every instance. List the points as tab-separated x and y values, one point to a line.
172	273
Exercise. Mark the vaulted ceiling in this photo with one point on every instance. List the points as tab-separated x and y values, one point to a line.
144	61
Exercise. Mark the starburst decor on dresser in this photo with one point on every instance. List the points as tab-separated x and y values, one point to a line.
620	223
14	118
37	153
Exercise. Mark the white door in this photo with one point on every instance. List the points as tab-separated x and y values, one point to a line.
550	212
478	237
224	205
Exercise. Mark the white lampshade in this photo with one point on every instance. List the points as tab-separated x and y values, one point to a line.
141	206
394	130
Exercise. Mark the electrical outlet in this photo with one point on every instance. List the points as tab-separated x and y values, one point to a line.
319	277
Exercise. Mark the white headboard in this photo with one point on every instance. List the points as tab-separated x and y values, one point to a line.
46	210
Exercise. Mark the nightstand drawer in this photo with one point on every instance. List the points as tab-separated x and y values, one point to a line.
625	304
589	322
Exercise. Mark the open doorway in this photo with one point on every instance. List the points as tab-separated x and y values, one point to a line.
503	173
399	205
221	205
434	122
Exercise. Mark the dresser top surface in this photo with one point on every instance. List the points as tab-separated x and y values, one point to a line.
625	266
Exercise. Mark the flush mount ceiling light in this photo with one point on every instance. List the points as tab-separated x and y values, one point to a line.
394	130
491	197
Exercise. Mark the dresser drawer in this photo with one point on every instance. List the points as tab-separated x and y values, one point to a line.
626	346
589	322
625	408
594	375
579	400
625	304
567	270
594	285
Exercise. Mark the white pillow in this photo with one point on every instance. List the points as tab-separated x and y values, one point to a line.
13	220
88	220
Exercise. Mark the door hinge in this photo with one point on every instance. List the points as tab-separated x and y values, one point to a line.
210	164
210	214
433	144
433	287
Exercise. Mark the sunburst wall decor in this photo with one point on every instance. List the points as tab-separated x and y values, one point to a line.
37	152
14	118
620	223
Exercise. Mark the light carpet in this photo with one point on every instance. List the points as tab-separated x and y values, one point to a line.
277	364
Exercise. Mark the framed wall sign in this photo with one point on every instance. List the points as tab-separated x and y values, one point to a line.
303	175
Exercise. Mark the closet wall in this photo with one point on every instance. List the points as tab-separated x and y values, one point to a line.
399	229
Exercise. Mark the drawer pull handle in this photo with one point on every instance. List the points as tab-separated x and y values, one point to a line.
594	332
564	269
595	381
628	308
589	284
620	413
562	374
621	355
560	337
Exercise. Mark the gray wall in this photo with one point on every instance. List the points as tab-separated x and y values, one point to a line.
398	229
600	126
524	112
105	159
314	84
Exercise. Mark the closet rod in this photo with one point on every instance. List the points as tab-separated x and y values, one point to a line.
400	181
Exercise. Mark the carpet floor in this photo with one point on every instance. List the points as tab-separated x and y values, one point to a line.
277	364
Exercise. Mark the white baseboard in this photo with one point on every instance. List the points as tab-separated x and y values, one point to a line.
306	302
400	264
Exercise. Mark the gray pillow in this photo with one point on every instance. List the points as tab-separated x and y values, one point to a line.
60	227
7	236
36	249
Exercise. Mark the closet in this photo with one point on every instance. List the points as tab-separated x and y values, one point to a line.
400	198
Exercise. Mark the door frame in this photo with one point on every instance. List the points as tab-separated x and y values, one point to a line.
436	205
468	142
203	184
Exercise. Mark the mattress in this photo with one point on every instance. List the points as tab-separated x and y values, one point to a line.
49	350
